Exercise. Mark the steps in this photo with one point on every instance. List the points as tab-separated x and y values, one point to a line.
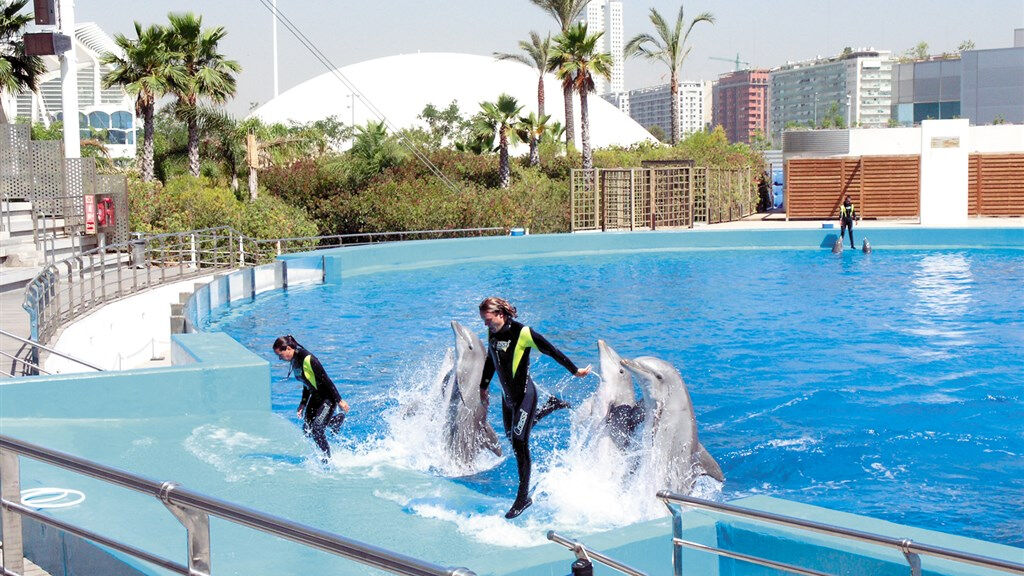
21	256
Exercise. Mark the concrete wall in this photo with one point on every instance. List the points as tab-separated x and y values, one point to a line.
212	373
997	139
945	150
890	141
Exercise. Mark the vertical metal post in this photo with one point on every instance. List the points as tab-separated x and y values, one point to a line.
677	534
103	276
192	249
10	489
279	241
197	524
241	250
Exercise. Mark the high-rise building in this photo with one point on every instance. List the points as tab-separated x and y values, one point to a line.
652	107
606	16
596	17
856	86
615	46
741	104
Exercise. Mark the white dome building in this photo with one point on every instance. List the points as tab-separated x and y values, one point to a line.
401	86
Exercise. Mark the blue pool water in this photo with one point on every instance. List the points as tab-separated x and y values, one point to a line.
887	385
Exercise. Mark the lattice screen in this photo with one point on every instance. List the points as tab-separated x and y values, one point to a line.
117	188
584	200
15	161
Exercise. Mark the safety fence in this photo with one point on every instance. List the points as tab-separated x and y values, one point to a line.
671	196
192	510
70	288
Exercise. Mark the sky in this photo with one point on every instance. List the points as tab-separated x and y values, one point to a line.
765	33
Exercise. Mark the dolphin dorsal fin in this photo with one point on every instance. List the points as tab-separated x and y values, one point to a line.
711	468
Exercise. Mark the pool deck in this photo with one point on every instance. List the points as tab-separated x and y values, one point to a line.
15	320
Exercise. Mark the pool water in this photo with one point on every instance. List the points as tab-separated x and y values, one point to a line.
887	384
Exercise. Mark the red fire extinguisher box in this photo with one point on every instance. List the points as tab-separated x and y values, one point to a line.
106	216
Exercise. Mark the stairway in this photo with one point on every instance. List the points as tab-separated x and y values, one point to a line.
29	240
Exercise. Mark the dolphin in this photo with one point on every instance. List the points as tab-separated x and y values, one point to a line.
866	246
466	430
837	246
671	425
614	403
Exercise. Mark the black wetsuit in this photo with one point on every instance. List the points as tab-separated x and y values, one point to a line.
509	356
319	396
846	215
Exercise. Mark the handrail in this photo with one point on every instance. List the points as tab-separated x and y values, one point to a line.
909	548
375	234
189	503
583	553
50	350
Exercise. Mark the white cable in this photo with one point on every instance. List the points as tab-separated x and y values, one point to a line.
51	497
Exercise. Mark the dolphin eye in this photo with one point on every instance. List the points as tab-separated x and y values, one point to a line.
659	377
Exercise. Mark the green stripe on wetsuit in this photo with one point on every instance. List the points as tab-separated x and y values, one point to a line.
307	370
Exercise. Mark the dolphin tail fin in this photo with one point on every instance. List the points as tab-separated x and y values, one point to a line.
711	468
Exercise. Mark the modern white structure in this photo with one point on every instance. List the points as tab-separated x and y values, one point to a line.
652	106
110	111
399	87
606	16
858	86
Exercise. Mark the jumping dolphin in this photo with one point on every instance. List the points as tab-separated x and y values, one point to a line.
467	430
614	402
671	425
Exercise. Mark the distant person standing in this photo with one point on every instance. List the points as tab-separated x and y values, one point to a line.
508	347
846	215
319	394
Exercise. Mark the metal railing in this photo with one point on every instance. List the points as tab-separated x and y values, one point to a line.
191	508
912	551
28	357
70	288
583	556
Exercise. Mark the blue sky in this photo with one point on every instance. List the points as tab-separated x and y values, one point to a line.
765	33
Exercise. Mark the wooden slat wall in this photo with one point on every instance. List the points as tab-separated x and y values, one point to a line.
997	181
891	186
972	184
880	186
812	186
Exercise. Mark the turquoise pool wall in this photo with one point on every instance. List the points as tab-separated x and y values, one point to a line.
368	259
213	372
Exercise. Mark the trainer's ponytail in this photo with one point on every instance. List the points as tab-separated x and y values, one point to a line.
286	342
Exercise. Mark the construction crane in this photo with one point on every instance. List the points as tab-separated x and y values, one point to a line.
736	61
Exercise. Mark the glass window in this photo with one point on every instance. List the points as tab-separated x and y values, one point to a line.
99	120
115	136
121	120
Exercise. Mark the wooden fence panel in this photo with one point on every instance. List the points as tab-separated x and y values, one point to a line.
972	184
998	184
891	187
812	186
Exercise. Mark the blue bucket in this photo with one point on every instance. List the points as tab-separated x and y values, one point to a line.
517	232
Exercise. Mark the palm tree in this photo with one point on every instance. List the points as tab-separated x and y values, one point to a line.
565	12
531	129
207	73
538	55
578	58
502	116
143	68
17	70
669	47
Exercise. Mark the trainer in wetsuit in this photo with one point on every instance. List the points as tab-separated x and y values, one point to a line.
846	215
319	395
509	344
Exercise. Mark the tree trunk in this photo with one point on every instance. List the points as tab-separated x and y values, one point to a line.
570	131
674	105
146	167
540	96
3	114
193	146
534	154
588	160
503	168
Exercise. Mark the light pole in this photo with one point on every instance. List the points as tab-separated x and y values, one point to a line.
274	43
69	82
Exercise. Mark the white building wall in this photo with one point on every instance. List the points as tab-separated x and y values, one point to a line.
945	148
652	106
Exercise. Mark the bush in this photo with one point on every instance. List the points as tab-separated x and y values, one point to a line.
194	203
